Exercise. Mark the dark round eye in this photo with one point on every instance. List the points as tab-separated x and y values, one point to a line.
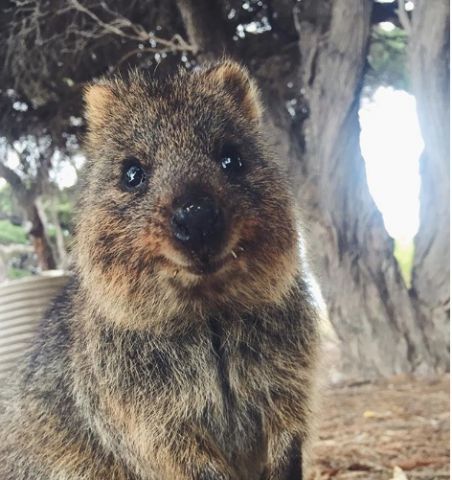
230	159
133	175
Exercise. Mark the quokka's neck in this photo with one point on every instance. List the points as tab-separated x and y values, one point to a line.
165	314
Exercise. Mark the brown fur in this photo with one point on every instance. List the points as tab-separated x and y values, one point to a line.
144	369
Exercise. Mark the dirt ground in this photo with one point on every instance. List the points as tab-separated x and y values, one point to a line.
395	430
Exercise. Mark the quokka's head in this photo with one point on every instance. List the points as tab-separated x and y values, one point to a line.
182	206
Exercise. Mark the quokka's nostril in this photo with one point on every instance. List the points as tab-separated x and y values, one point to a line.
180	231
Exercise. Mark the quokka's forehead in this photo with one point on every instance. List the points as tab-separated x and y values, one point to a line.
195	112
210	101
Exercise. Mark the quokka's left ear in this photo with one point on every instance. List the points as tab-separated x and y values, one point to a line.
98	98
236	82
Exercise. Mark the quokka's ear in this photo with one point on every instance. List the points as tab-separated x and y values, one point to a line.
235	80
98	99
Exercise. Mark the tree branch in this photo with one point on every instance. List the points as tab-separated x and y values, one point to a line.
42	174
403	17
205	27
12	178
120	24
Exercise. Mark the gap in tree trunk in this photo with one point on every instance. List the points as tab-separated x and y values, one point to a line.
391	144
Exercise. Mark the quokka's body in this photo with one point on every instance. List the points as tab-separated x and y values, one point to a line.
184	346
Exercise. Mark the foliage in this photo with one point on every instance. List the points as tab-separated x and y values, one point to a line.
387	59
6	203
49	50
404	254
14	273
63	202
10	233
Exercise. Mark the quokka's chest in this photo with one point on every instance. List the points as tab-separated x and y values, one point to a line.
226	389
225	381
220	375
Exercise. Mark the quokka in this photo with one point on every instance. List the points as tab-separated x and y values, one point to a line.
185	345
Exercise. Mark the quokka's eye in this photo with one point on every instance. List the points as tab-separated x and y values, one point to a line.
231	160
133	175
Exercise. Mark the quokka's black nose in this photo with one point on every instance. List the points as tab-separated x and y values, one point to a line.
198	223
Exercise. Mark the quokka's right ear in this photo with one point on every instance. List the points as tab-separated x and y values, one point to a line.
234	79
98	99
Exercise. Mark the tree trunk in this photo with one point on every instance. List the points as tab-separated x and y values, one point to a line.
367	300
196	15
429	63
62	256
38	235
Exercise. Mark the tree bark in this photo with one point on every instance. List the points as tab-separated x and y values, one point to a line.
41	244
430	76
211	43
62	255
367	301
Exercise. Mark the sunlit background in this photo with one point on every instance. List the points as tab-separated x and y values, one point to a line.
391	144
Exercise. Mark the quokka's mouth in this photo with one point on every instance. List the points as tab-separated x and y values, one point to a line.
208	266
193	266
